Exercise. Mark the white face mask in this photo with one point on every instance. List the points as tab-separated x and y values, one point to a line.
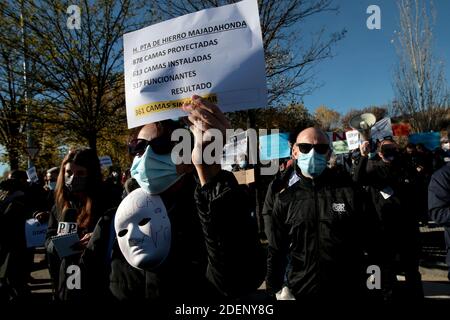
143	230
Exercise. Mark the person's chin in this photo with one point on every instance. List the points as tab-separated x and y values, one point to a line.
140	260
144	262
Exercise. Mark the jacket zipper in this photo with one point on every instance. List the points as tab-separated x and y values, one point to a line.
317	215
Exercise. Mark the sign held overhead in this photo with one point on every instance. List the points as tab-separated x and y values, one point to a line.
216	53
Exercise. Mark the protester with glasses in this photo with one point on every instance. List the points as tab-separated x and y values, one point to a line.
318	223
214	252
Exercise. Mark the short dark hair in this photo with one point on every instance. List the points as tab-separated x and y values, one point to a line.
421	146
19	175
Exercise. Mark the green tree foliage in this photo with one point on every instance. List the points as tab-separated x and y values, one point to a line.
14	99
80	70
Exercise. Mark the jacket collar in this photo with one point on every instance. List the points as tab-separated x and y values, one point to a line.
319	181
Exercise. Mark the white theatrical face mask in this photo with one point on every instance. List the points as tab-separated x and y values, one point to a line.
143	229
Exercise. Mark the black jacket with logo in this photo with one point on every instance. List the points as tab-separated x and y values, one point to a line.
320	224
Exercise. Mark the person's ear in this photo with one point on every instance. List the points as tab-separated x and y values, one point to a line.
295	152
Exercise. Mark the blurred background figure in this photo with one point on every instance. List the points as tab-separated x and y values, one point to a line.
14	256
48	195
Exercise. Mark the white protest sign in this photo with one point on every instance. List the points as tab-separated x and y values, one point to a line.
235	151
352	139
35	233
105	161
66	227
382	129
32	175
216	53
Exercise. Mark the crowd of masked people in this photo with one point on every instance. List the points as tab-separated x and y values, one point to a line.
324	219
326	225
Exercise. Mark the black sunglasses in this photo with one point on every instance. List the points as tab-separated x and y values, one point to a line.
321	148
159	145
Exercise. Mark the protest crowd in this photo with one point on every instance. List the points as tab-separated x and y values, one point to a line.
325	221
194	217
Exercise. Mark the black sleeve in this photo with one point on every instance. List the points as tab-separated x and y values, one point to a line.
360	175
13	226
95	261
369	228
439	199
268	208
235	256
269	200
52	227
278	248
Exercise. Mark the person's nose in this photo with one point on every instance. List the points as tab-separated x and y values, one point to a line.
135	236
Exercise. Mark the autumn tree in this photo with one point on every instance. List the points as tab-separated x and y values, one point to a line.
327	118
421	92
15	97
80	68
12	107
285	118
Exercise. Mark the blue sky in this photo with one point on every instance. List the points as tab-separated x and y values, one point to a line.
360	74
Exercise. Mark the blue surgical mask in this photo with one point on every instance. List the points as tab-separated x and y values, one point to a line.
51	185
153	172
312	163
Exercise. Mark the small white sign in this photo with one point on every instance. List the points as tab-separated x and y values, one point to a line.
66	228
352	139
216	53
105	161
32	175
35	233
235	151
